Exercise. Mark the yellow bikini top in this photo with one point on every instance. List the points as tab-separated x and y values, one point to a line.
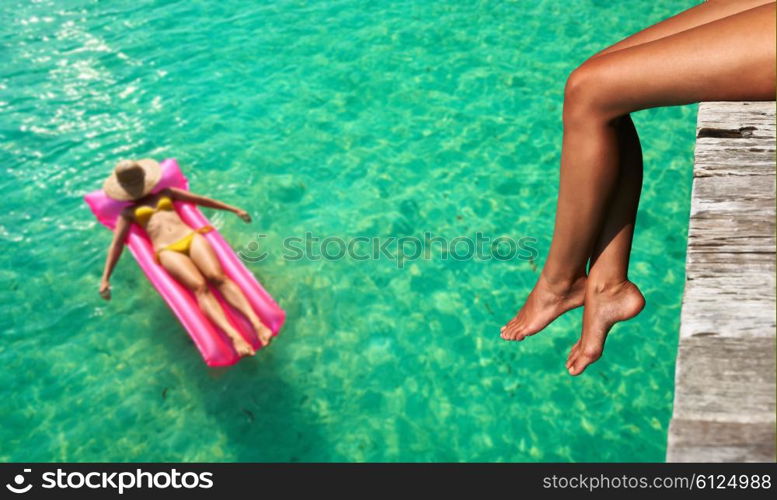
142	214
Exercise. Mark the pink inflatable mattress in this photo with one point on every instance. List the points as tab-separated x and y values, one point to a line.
213	344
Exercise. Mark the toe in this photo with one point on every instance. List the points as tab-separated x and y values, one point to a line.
572	353
578	366
525	330
571	360
587	355
508	332
511	332
517	329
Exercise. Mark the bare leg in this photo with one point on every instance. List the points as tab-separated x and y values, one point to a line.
185	272
729	59
607	276
590	171
208	263
704	13
557	293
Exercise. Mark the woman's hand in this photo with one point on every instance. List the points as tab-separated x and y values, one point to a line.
243	215
105	289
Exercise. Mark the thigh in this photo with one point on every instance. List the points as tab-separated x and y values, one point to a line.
182	269
729	59
706	12
205	258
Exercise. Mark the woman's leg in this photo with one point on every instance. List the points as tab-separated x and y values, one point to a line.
609	261
705	12
185	272
551	298
208	263
729	59
586	197
619	223
609	264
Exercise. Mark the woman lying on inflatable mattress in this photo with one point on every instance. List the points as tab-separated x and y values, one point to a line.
182	251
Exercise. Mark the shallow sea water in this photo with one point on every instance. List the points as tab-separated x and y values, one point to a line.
340	118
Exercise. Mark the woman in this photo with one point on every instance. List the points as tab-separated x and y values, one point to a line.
182	251
721	50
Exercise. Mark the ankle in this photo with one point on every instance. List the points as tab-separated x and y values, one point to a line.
562	284
604	284
235	336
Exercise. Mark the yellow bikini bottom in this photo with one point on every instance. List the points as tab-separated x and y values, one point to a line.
184	244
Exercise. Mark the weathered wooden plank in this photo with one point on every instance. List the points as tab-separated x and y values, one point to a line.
715	372
753	315
738	114
725	162
740	191
727	441
725	379
699	262
725	157
753	234
752	153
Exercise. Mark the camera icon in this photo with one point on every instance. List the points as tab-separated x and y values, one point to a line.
18	480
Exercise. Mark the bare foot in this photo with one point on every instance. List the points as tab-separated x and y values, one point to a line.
544	304
604	306
264	334
242	347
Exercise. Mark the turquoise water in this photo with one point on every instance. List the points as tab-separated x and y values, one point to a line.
342	118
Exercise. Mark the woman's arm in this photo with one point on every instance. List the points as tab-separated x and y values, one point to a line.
114	252
188	196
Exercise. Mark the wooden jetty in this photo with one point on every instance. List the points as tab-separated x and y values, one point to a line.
724	403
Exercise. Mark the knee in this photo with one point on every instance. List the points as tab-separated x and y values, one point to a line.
585	93
200	287
217	279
